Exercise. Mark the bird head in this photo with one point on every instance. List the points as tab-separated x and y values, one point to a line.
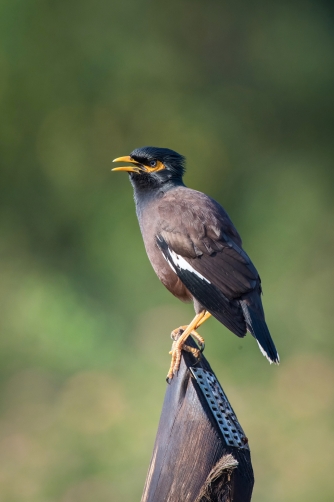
153	166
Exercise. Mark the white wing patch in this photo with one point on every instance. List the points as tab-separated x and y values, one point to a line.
180	263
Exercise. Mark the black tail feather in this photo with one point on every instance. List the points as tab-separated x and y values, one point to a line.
258	328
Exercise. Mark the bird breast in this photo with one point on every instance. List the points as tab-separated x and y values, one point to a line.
149	226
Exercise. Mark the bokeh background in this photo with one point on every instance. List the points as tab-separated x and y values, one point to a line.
245	91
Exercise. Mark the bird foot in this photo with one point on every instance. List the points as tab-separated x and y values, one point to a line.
195	352
176	333
178	347
176	360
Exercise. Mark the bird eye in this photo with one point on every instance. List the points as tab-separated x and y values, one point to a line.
153	163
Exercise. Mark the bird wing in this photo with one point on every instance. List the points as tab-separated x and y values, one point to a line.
202	246
197	228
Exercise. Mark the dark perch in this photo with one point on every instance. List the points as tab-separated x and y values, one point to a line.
201	453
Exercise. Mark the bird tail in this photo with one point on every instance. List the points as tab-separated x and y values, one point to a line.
258	328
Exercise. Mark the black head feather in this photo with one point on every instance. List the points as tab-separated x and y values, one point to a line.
173	161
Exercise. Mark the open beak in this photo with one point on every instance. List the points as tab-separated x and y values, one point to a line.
135	168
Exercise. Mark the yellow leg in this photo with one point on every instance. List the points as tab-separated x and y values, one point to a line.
195	352
178	345
204	318
176	333
199	338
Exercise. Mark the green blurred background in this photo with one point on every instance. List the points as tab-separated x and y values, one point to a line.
245	91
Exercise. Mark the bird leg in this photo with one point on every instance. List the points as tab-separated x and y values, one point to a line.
176	333
204	318
179	344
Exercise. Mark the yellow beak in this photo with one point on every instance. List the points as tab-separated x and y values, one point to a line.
135	168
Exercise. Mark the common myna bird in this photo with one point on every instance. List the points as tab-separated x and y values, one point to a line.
195	251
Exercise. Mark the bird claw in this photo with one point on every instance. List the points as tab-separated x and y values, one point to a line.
176	333
193	350
176	360
199	340
179	345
